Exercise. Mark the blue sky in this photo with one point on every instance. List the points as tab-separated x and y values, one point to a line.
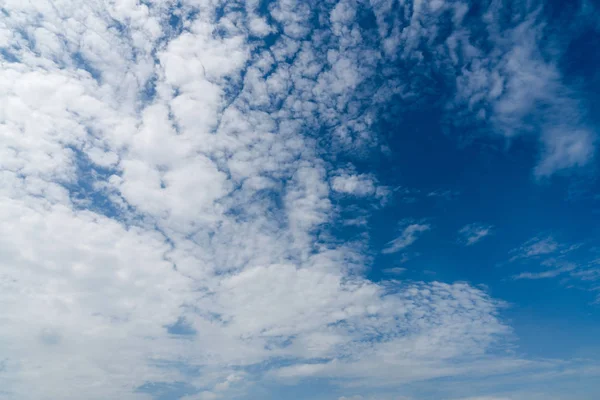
331	200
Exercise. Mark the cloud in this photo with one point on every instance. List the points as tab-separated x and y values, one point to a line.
562	268
395	270
360	185
409	235
473	233
537	246
571	262
444	194
513	84
592	274
565	148
160	166
165	209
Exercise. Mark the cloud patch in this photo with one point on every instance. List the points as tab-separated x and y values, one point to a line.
473	233
410	233
169	176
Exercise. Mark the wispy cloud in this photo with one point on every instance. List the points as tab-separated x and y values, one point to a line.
537	246
518	87
473	233
565	148
395	270
447	194
410	233
560	268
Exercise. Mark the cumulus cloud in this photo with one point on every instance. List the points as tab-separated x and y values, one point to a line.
358	185
473	233
159	174
159	165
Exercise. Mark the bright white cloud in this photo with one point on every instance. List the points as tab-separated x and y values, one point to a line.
357	185
153	175
125	211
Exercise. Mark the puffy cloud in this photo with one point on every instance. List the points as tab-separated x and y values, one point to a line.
160	169
357	185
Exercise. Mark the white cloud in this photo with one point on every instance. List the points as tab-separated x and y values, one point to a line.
517	88
561	268
199	205
537	246
473	233
590	274
564	149
395	270
409	235
152	176
357	185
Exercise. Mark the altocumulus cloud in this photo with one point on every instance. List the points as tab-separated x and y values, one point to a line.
166	200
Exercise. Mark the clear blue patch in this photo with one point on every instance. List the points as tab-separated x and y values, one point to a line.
8	56
167	390
181	327
84	191
148	93
277	363
80	62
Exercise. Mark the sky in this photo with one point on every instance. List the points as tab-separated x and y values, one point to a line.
281	199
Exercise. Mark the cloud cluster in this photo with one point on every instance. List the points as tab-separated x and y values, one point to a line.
167	199
164	207
575	264
501	64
